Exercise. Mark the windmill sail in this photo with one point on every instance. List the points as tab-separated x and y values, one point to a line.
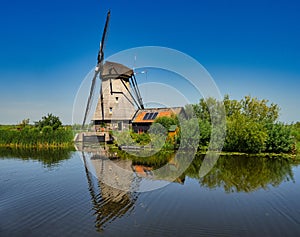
98	69
90	98
119	94
104	36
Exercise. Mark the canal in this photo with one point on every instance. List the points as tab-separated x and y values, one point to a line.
68	193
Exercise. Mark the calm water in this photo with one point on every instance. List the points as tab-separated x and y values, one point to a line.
57	193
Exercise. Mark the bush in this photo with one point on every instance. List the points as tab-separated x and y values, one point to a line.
244	135
189	134
167	121
205	132
47	130
49	120
279	138
142	138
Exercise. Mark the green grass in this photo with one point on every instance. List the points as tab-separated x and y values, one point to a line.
32	137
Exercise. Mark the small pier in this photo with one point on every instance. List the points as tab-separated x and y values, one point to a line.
93	137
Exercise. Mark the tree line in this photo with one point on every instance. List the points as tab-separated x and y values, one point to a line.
252	125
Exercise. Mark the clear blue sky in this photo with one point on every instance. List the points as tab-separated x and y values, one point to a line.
47	47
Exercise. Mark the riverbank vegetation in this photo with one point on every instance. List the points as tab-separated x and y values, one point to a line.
295	128
47	132
250	126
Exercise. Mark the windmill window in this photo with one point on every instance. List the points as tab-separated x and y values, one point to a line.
110	110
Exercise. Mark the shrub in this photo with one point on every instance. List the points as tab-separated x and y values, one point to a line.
279	138
49	120
245	135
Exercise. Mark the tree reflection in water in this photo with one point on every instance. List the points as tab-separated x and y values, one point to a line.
243	173
48	157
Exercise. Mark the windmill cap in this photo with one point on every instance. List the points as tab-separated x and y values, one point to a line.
112	70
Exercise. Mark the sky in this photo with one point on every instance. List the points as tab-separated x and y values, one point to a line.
48	47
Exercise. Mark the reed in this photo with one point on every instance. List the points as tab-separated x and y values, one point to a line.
30	137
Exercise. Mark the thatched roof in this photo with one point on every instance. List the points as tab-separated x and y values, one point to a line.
112	70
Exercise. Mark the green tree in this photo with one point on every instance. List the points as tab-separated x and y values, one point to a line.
259	110
190	111
251	125
252	108
49	120
231	106
296	131
167	121
279	138
245	135
24	123
208	109
205	132
189	134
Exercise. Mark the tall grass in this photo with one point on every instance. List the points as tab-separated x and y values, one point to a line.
33	137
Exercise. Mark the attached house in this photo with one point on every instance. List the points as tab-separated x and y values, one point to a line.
143	118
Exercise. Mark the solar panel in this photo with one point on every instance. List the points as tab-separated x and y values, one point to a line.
146	117
150	116
154	115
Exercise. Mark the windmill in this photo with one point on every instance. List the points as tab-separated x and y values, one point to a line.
119	93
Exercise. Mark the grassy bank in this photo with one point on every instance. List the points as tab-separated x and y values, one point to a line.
295	157
33	137
46	133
